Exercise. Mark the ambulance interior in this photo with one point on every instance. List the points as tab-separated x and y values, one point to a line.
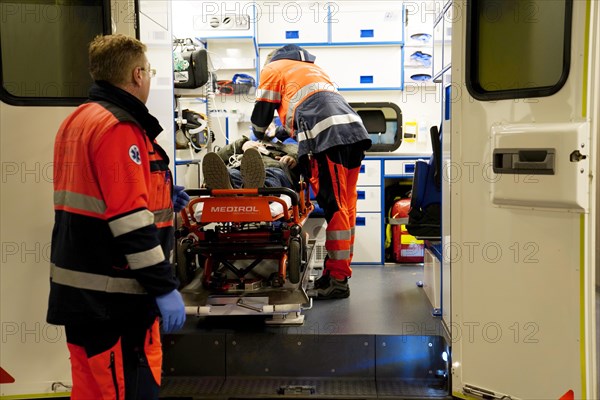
253	330
388	338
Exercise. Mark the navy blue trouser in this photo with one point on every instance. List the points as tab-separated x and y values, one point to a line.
274	177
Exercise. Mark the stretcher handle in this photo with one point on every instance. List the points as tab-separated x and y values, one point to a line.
262	191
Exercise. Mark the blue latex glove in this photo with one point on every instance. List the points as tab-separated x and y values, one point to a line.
172	311
180	198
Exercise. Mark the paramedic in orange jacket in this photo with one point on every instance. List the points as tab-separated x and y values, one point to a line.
332	143
110	275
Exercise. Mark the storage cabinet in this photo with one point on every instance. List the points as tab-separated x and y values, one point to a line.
369	199
371	66
380	21
367	232
418	44
209	19
399	167
327	29
281	23
232	56
368	219
369	246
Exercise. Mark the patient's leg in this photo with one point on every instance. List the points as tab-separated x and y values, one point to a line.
276	177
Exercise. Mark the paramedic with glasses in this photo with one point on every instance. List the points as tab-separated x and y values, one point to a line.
114	198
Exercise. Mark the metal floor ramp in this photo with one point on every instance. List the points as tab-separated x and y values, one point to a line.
261	388
381	343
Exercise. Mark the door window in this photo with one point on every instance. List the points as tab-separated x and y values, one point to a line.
44	49
517	48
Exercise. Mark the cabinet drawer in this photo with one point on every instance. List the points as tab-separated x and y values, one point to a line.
399	167
373	67
369	199
293	22
367	240
370	173
366	22
420	76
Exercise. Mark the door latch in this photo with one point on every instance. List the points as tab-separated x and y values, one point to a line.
576	156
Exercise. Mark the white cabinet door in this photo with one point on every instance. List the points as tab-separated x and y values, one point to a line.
282	23
366	67
419	76
368	245
366	22
209	19
370	173
400	167
369	199
367	239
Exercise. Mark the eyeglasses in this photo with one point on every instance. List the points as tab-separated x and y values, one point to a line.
151	71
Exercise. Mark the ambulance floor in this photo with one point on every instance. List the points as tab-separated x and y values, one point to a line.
384	300
381	342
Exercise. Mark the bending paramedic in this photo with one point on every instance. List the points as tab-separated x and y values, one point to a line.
332	143
110	276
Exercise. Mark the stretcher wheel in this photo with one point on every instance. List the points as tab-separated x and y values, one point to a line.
304	251
185	265
294	260
208	270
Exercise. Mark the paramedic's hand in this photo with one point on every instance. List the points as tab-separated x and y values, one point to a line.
289	161
172	311
180	198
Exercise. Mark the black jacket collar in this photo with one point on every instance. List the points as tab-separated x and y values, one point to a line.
104	91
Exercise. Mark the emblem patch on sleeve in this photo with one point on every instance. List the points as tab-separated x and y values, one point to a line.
134	154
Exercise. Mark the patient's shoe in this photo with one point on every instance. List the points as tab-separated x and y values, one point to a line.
252	169
215	172
327	288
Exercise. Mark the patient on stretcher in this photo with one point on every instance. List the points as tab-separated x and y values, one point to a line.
251	164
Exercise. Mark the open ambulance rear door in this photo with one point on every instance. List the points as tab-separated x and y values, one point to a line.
44	76
524	137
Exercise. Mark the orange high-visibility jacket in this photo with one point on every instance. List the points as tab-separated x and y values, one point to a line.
307	103
113	228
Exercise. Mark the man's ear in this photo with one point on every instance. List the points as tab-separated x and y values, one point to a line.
136	76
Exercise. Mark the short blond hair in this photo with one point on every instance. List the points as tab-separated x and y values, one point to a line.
112	57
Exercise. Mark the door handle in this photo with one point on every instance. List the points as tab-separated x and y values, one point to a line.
524	161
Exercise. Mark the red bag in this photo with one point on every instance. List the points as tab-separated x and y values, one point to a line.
406	248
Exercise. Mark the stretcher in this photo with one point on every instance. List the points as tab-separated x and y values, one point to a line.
236	258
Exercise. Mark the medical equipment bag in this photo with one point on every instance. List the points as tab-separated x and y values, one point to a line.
196	74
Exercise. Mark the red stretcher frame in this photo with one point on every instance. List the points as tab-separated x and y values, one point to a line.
237	224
